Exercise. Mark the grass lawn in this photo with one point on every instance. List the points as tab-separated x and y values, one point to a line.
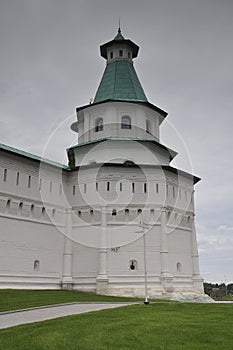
167	326
11	299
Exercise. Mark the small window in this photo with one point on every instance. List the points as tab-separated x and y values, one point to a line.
32	208
139	211
29	181
133	265
17	179
108	186
97	186
133	187
157	188
114	212
40	184
50	186
121	186
145	187
148	126
125	122
174	192
179	193
79	213
36	265
99	125
85	188
73	189
167	190
111	54
91	212
5	175
129	56
8	203
179	267
53	212
121	53
20	208
43	211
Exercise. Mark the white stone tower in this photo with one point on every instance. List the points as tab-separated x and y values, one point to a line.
124	184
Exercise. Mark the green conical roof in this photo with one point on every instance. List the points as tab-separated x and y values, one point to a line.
120	82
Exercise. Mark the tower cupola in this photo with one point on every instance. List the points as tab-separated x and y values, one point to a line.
120	81
119	49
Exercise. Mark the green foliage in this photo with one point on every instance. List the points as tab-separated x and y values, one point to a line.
219	291
170	326
12	299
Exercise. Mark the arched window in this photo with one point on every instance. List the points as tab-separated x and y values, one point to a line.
114	212
148	126
179	267
99	125
125	122
36	265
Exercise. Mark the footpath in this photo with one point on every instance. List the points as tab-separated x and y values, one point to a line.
18	317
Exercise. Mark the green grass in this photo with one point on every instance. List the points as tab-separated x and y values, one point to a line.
177	326
11	299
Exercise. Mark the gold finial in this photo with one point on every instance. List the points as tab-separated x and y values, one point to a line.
119	28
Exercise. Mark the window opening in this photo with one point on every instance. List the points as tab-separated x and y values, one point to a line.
145	187
29	181
73	189
148	126
114	212
121	53
17	179
157	188
99	126
133	187
5	175
125	122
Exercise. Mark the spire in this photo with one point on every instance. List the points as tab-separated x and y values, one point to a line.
119	36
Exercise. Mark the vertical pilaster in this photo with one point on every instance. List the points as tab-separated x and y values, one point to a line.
197	278
166	278
102	278
67	279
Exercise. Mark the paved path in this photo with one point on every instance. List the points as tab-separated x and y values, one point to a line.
10	319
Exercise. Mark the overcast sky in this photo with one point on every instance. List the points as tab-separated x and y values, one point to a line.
50	64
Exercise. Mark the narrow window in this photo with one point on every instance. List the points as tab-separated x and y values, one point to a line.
126	214
43	211
53	212
97	186
179	193
185	195
121	53
73	189
133	187
111	54
5	175
167	189
40	184
99	125
29	181
36	265
17	179
148	126
157	188
32	208
114	212
125	122
173	191
145	188
179	267
108	186
85	188
121	186
20	208
129	56
79	213
51	186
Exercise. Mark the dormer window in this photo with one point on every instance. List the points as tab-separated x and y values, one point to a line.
111	54
121	53
99	125
125	122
